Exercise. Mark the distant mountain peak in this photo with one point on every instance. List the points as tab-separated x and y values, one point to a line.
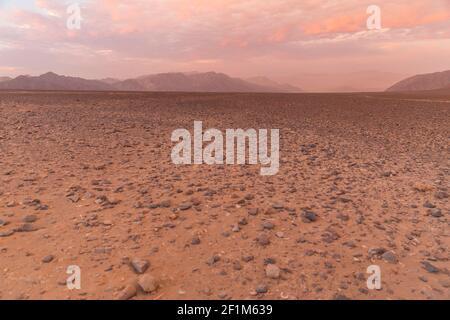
423	82
50	73
210	81
264	81
53	81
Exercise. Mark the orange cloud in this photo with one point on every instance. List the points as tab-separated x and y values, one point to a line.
338	24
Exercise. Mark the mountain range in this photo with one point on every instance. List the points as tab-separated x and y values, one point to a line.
176	81
423	82
197	82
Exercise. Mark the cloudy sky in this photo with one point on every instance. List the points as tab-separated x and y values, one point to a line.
318	45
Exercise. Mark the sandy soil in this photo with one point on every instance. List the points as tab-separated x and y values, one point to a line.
86	179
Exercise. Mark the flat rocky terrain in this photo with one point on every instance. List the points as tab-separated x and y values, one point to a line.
86	179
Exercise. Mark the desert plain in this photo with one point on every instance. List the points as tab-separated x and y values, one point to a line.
87	180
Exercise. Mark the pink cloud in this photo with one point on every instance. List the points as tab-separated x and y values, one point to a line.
240	36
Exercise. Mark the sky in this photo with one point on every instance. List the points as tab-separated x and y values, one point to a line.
318	45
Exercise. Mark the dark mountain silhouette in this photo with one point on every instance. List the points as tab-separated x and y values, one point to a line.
52	81
187	82
196	82
422	82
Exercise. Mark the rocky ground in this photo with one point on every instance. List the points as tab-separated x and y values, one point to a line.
86	179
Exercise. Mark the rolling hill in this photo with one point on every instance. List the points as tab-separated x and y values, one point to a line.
176	81
423	82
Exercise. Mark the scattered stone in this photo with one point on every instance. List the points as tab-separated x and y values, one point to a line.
185	206
212	260
261	288
222	295
390	257
429	267
436	213
330	236
268	225
30	218
373	252
48	259
428	204
243	222
253	211
11	204
249	197
140	266
441	195
165	204
309	216
148	283
5	234
279	234
26	227
237	265
263	239
445	283
363	290
248	258
128	292
272	271
195	240
269	261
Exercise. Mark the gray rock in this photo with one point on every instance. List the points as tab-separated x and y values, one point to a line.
30	218
185	206
165	204
261	288
26	227
48	259
429	267
212	260
436	213
268	225
248	258
429	205
373	252
195	240
390	257
309	216
5	234
139	265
